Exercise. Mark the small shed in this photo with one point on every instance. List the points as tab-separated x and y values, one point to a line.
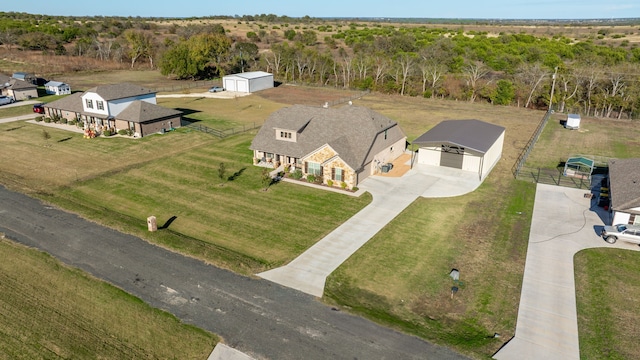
248	82
30	78
470	145
579	166
57	88
573	121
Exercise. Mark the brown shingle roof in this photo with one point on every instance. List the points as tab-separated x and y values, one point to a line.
142	111
120	91
624	179
349	130
72	103
21	85
471	134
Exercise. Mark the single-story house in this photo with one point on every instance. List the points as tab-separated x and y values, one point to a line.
22	90
57	88
624	190
30	78
116	107
248	82
470	145
344	144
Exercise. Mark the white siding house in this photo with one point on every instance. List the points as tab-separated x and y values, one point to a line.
57	88
248	82
624	187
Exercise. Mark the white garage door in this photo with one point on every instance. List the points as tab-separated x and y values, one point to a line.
242	86
229	85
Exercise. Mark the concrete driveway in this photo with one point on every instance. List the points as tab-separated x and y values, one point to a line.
309	271
564	222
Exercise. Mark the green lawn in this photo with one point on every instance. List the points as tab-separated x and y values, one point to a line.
51	311
400	277
608	299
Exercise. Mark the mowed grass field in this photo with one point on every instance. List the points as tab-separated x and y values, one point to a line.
49	310
608	299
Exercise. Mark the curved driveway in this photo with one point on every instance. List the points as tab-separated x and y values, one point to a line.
308	272
262	319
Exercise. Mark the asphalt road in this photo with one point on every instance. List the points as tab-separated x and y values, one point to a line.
260	318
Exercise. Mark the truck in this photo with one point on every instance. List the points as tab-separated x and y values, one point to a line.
4	100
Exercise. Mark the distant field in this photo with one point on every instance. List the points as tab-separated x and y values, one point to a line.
52	311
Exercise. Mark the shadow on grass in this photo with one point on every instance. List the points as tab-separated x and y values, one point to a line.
65	139
236	174
186	112
168	223
15	128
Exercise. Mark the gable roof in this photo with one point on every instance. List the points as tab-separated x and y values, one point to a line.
72	103
4	79
349	130
54	83
22	85
142	111
251	75
120	91
470	134
624	180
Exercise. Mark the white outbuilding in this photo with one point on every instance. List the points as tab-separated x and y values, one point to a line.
573	121
248	82
57	88
469	145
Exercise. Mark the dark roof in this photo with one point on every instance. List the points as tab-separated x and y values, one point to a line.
22	85
4	79
470	134
71	103
349	130
120	91
142	111
624	179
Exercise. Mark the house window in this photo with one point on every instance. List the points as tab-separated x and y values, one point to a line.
100	105
634	220
89	103
314	169
337	174
285	135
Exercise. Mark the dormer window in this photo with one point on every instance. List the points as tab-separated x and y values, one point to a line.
89	104
286	135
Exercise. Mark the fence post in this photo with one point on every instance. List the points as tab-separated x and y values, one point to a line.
538	178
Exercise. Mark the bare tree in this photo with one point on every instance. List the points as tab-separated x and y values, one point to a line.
473	73
405	62
531	76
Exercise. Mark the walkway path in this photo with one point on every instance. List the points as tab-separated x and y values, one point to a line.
564	222
309	271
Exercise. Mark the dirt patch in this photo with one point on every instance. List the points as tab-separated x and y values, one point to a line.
305	95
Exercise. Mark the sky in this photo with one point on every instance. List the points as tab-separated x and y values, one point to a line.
465	9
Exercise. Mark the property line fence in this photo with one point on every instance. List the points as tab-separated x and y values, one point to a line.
530	144
345	99
222	133
188	85
552	177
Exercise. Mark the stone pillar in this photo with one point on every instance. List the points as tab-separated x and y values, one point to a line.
152	224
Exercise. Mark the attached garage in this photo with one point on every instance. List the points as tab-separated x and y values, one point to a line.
469	145
248	82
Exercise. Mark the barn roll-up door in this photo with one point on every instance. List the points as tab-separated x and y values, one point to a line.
452	156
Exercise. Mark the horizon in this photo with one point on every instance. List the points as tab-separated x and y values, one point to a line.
542	10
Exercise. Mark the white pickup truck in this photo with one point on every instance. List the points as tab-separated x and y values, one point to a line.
4	100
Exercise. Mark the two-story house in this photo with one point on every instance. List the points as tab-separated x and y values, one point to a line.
116	107
344	145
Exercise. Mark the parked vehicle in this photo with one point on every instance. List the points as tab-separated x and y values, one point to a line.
216	89
38	108
628	233
4	100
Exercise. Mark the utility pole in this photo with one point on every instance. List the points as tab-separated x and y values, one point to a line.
553	87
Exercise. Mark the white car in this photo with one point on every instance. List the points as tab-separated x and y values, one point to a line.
628	233
4	100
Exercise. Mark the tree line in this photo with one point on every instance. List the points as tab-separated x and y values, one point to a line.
589	76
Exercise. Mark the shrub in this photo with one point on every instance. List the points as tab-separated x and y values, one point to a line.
355	188
106	133
126	132
38	118
297	174
47	120
64	120
343	185
329	182
311	178
287	168
71	122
